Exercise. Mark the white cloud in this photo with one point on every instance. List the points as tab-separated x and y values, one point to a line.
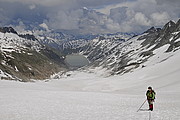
20	27
118	15
139	15
64	19
160	18
141	19
32	7
43	25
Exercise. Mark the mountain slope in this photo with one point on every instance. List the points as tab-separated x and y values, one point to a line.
80	95
122	57
24	57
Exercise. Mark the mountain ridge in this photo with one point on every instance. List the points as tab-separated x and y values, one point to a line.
117	53
135	52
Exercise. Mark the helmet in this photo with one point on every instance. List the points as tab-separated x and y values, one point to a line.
150	88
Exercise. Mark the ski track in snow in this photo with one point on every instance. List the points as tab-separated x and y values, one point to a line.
20	101
54	100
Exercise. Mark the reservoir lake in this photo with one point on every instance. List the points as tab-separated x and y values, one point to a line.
76	60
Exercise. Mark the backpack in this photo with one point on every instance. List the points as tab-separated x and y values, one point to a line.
150	95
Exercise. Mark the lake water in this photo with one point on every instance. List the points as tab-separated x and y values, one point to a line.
76	60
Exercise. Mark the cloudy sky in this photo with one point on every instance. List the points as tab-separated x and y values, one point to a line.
89	16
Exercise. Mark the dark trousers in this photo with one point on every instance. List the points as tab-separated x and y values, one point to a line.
150	101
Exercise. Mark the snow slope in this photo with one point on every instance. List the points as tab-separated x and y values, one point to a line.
86	95
12	42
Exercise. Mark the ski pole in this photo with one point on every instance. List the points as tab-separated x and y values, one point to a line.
141	105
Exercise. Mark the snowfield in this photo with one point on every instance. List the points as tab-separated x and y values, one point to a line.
88	95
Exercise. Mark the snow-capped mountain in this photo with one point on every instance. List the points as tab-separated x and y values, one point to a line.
23	57
46	47
69	43
82	45
11	41
117	53
60	41
125	56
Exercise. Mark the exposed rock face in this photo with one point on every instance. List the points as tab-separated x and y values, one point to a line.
28	37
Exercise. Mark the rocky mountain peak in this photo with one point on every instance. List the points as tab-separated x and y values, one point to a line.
171	23
7	30
169	27
178	25
29	37
152	30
